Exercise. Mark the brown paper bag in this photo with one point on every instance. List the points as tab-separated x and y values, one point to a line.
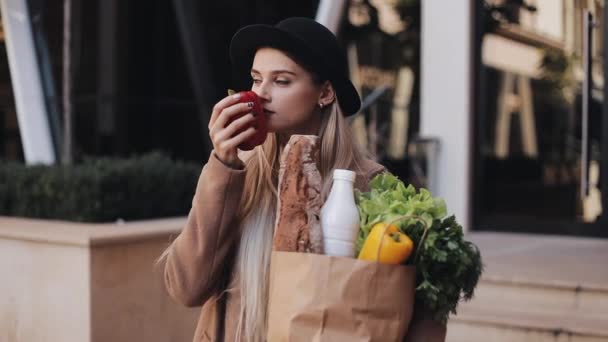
316	298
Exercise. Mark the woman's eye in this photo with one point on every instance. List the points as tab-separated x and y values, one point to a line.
283	82
256	81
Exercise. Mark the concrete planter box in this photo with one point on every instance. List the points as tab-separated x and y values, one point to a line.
63	281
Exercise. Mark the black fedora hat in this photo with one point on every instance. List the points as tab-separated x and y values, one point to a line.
310	43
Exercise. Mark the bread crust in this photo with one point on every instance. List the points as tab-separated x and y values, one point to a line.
298	226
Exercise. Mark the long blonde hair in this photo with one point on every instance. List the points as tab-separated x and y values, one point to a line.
258	213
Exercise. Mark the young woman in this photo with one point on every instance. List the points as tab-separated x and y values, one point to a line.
221	258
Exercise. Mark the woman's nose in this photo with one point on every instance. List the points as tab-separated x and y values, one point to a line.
262	91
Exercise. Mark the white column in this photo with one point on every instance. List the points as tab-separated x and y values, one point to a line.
329	13
446	106
27	86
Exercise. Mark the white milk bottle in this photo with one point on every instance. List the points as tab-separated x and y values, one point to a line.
340	217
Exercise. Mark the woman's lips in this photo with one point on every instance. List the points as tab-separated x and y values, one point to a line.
268	112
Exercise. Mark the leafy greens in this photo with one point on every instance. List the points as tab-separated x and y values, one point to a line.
447	266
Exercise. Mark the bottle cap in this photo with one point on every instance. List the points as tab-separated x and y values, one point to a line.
344	175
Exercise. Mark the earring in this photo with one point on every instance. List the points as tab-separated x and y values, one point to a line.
321	105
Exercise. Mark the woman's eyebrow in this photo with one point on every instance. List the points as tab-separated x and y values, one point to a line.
280	71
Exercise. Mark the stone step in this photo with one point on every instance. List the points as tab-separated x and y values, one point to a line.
501	324
536	288
540	272
534	296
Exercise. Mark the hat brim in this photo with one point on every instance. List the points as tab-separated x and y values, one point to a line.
249	39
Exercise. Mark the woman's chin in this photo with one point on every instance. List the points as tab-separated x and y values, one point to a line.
278	130
273	127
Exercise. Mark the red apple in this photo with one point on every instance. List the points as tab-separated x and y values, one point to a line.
259	123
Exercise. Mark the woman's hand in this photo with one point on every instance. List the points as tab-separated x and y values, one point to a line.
223	136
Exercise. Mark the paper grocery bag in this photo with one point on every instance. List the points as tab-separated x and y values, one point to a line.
318	298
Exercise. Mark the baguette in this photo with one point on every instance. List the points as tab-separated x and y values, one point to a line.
297	226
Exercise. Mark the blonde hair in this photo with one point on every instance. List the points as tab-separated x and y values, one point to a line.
258	213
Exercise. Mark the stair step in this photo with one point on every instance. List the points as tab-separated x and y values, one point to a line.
522	295
540	272
536	288
500	324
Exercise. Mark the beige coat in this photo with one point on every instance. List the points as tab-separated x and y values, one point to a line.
201	261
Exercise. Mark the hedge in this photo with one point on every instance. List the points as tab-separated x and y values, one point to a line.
99	189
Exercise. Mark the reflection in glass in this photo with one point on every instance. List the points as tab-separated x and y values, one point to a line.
529	115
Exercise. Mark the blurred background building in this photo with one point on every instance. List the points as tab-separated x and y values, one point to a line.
480	101
539	148
495	105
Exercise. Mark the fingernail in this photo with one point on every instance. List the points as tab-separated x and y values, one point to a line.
236	96
250	104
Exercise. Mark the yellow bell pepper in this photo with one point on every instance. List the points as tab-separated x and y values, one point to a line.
396	246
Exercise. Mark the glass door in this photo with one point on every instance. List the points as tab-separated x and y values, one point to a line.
540	161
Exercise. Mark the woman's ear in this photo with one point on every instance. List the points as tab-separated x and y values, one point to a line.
328	94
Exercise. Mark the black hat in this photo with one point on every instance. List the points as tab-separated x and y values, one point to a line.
311	43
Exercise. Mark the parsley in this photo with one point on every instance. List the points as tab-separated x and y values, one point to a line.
447	266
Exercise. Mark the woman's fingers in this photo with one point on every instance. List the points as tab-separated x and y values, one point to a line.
230	112
220	106
227	135
240	138
227	114
234	127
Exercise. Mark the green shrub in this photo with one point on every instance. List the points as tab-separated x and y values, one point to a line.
99	189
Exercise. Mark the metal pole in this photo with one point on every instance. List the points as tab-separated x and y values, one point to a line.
587	81
26	81
604	147
66	155
329	13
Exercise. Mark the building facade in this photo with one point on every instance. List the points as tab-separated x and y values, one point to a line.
494	105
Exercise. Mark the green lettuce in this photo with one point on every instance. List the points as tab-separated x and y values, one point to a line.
389	199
